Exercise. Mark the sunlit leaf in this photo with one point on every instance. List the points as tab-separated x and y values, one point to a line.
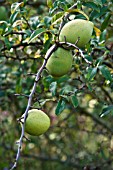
98	2
14	16
53	87
57	18
36	33
16	23
106	110
15	6
49	3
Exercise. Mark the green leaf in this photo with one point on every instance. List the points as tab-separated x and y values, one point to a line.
94	14
40	103
7	43
15	6
36	33
90	87
91	5
105	72
104	1
103	10
106	110
91	73
65	97
46	45
57	18
53	87
66	90
99	61
18	86
74	101
60	107
79	4
49	3
105	22
70	1
98	2
14	16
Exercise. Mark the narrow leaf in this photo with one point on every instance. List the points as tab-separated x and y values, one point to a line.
106	110
90	87
105	22
35	34
74	101
57	18
91	73
60	107
14	16
98	2
91	5
15	6
105	72
49	3
53	87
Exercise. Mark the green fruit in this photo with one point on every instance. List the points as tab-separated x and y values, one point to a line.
60	62
75	29
37	122
3	13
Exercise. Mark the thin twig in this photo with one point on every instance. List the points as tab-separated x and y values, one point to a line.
73	45
22	45
65	17
37	78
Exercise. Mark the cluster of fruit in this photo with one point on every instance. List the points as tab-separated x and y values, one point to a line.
80	31
59	64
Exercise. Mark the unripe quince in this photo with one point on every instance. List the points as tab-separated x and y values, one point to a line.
75	29
37	122
60	62
3	13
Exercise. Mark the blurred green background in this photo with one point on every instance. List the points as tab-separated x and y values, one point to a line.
79	138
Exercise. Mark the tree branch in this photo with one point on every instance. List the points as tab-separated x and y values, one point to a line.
37	78
22	44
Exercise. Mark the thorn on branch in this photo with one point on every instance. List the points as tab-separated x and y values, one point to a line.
78	39
65	39
19	120
26	138
21	95
31	74
17	142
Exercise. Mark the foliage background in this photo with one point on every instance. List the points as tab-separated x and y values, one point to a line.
78	137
